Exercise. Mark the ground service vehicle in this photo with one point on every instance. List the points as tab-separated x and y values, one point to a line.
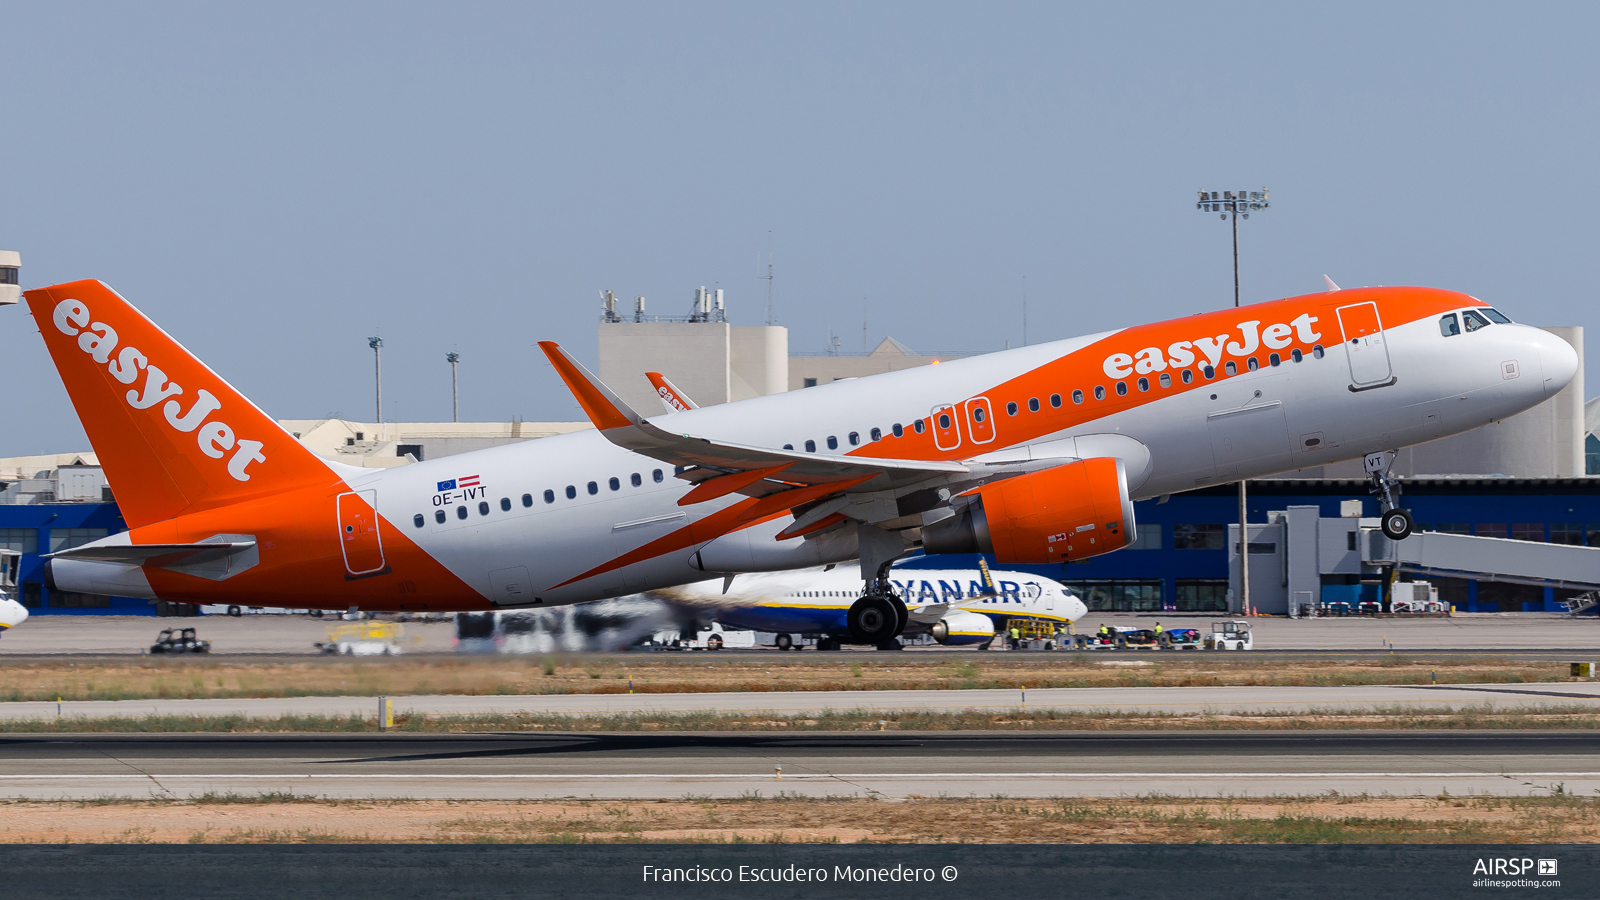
179	640
1032	456
1231	635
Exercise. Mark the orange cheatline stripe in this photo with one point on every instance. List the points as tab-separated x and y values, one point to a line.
723	485
599	409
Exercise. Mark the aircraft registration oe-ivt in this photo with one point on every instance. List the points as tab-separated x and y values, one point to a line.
1032	455
957	607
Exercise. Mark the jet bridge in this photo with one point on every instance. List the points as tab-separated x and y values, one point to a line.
1298	560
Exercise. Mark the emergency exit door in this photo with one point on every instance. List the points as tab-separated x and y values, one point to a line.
1365	347
358	534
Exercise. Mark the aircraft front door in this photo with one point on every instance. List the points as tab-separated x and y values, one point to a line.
1364	346
358	534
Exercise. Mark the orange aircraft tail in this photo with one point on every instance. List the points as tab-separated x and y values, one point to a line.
172	436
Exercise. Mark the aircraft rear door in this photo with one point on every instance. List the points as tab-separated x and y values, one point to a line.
358	534
1365	347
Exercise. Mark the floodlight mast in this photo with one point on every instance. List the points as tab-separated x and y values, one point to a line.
1235	204
455	394
376	343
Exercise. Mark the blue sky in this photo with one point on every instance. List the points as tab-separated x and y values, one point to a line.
273	183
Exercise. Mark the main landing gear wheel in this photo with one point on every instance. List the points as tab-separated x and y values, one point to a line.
784	642
872	620
1396	524
903	615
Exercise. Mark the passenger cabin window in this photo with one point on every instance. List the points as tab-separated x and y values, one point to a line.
656	476
417	520
1316	351
1033	404
572	492
977	414
1296	355
944	420
1473	320
1188	376
1122	389
505	504
1011	408
788	446
461	512
1275	359
1166	380
1251	364
438	516
876	434
1077	396
898	430
1230	368
483	507
1099	392
811	446
549	496
833	442
594	488
1144	383
614	484
854	438
1495	315
1448	326
635	480
1209	372
918	427
1055	400
527	499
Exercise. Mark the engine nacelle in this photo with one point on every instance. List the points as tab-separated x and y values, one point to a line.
1069	512
961	627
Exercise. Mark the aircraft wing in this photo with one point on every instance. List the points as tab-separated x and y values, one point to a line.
712	461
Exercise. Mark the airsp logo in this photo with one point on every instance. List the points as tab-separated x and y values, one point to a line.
1513	866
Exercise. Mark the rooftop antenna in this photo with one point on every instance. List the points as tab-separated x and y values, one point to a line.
772	311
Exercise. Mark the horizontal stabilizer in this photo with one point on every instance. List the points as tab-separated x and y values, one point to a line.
154	554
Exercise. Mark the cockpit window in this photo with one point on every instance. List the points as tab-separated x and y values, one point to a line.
1448	326
1473	320
1495	315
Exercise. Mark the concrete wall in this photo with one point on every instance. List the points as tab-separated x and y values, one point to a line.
1543	442
712	362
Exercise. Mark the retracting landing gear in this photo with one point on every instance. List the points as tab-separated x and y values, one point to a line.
1395	522
880	615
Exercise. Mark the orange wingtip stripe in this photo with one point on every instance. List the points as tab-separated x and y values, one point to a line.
724	485
595	405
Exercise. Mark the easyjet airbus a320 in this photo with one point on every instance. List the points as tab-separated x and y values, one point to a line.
1031	455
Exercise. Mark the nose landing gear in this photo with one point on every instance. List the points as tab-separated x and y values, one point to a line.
1395	522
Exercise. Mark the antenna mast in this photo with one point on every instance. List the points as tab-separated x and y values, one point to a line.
772	312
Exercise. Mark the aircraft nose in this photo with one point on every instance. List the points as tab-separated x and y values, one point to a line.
1558	360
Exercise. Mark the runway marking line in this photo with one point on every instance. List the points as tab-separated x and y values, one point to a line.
825	776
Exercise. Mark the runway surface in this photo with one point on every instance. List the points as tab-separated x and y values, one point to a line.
886	764
1180	700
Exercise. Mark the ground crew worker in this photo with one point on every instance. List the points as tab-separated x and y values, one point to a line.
1158	629
1016	636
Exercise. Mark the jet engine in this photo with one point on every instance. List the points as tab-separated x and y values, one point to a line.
1068	512
960	628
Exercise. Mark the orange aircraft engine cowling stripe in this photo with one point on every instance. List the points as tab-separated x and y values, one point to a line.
172	436
1068	512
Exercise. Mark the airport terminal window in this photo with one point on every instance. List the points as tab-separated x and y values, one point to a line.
833	442
505	504
438	516
1448	326
635	479
1011	408
1188	376
614	484
527	499
572	492
1166	380
876	434
1033	404
1199	537
549	496
1453	528
67	538
1148	538
1230	368
22	540
1495	315
75	600
898	431
417	520
854	438
657	476
1527	531
1118	596
1473	320
811	446
483	507
1055	400
1577	534
594	488
461	512
1122	389
1099	392
1491	529
809	382
1201	595
30	594
1296	355
1144	383
8	274
1077	396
